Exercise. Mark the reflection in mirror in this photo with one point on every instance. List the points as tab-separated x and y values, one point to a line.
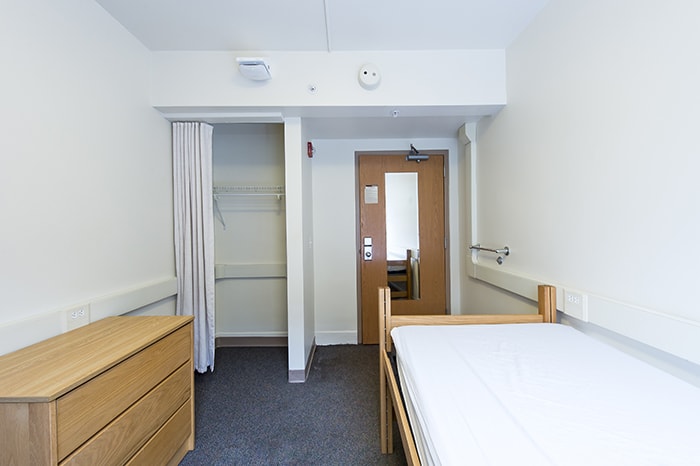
402	235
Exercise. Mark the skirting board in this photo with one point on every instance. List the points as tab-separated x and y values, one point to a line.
250	341
298	375
18	334
348	337
671	334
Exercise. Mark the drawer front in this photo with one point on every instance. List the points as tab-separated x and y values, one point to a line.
121	439
85	410
167	441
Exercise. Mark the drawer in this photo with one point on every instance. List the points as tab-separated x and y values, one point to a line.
84	411
167	441
121	439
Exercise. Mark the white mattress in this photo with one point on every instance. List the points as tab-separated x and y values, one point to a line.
538	394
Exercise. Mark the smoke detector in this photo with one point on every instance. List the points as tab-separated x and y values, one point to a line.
254	68
369	76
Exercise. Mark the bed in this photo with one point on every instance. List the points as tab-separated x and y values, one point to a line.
540	393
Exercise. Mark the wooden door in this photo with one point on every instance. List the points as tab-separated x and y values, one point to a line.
430	293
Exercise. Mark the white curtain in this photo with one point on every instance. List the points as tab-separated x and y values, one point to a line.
194	234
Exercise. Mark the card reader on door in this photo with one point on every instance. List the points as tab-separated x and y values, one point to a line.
367	248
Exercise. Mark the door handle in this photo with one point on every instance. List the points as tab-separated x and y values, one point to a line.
367	248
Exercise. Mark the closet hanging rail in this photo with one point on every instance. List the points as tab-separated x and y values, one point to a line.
258	190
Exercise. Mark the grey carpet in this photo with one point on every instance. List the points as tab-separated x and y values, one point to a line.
248	414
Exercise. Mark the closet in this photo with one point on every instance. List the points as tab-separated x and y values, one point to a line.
250	241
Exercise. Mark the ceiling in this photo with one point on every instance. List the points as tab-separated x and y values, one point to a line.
329	25
323	25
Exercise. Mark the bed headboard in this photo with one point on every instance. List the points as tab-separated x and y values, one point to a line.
547	312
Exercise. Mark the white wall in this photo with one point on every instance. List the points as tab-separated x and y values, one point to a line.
335	235
307	244
208	86
85	171
590	172
211	79
250	155
300	252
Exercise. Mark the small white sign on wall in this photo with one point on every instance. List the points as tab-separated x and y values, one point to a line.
372	194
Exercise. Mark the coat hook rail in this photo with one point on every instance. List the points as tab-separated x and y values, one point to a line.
505	251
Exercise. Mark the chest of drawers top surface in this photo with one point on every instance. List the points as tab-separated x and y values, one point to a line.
46	370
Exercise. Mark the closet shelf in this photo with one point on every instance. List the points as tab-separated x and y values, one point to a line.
255	190
249	191
222	271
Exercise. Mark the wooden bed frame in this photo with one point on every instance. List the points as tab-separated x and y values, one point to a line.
390	401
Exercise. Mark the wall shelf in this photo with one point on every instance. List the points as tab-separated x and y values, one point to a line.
250	271
248	190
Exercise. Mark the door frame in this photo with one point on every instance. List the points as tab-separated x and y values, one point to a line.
358	239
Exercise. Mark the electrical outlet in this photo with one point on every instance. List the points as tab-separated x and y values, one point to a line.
576	305
77	317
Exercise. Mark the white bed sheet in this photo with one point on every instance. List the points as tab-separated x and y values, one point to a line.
538	394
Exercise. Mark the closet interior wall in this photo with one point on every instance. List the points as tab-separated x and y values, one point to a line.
251	287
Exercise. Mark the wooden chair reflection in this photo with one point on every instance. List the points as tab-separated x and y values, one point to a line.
399	277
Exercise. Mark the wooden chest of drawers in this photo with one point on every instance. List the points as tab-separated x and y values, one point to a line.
117	391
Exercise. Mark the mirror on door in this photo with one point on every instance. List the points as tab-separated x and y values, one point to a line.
402	235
